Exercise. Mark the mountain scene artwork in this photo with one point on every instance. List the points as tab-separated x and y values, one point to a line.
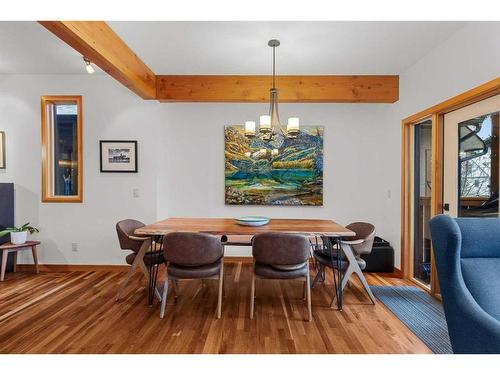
281	171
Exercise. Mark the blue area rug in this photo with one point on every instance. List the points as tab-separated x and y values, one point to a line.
421	313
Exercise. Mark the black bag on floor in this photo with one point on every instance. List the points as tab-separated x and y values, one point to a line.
381	259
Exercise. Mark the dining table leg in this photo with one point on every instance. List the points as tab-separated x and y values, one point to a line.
330	244
154	266
338	241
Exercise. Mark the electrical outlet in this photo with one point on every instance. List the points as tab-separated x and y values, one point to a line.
74	247
135	193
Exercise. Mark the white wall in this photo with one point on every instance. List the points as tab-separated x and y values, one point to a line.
469	58
109	112
181	151
354	156
362	142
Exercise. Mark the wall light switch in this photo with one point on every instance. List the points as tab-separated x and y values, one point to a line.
135	193
389	193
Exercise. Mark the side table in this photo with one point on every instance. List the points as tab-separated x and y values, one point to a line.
8	247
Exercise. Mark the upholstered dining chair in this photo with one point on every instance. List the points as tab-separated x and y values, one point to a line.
281	256
361	243
192	256
139	247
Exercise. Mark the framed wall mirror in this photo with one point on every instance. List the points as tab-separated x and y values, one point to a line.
62	159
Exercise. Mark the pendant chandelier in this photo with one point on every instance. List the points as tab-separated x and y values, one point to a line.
269	125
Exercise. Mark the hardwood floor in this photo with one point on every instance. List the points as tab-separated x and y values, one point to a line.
76	312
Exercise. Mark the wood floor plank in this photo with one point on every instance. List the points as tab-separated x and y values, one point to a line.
76	312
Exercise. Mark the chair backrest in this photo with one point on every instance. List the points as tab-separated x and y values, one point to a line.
365	232
192	249
467	254
280	248
125	228
480	237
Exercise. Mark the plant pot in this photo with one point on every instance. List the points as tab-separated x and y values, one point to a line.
18	238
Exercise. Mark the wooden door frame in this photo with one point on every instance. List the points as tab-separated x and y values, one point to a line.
436	114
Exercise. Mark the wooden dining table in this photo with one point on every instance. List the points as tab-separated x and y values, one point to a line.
328	230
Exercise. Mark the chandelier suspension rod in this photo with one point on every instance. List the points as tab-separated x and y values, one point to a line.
274	67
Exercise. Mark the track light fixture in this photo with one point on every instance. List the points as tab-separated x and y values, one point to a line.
88	65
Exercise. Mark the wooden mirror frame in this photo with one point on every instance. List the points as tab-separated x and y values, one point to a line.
54	99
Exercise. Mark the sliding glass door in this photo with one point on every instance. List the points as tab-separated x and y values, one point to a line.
471	160
420	261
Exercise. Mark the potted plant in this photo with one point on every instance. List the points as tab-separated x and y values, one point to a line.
18	235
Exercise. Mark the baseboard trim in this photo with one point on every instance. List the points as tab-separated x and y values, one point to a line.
104	267
73	267
397	273
238	259
123	268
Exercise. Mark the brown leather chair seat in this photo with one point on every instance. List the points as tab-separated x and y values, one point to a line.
271	272
196	272
325	258
155	257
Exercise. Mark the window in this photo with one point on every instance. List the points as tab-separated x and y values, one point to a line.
62	159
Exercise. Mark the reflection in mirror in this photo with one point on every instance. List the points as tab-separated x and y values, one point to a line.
478	166
62	145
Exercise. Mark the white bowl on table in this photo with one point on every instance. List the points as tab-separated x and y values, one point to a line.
252	221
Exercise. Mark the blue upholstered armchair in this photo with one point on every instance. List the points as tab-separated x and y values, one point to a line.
467	253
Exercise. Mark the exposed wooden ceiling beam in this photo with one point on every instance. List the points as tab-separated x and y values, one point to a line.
99	43
292	89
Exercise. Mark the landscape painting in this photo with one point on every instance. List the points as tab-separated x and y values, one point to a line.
280	171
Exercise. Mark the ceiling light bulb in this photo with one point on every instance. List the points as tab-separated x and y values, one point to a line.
293	123
292	128
88	66
250	128
265	123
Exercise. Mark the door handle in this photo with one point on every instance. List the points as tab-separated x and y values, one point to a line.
446	207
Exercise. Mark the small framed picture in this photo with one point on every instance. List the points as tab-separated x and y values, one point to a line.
118	156
2	150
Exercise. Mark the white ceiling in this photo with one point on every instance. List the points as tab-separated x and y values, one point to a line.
29	48
236	47
306	47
